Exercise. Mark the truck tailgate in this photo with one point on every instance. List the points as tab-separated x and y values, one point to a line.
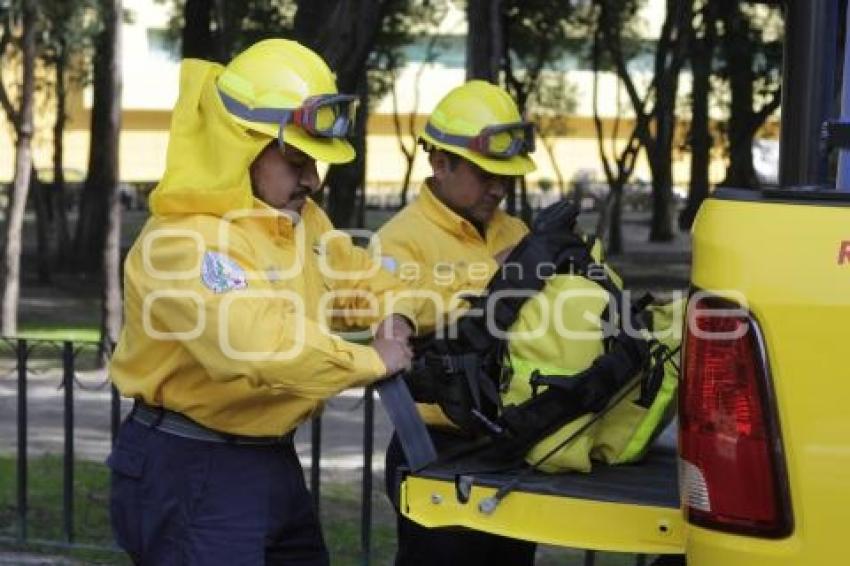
632	508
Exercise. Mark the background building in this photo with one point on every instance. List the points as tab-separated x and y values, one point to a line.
151	71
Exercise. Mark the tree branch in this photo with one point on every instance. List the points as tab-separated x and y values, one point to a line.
615	48
597	121
397	117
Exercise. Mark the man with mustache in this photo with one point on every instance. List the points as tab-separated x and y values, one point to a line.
450	240
229	293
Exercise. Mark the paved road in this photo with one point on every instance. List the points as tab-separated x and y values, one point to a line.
25	559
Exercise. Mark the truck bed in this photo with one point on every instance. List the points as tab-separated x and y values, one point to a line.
631	508
653	482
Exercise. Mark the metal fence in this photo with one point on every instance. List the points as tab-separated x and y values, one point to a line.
68	351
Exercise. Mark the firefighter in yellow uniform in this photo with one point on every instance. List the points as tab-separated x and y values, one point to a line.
450	241
230	291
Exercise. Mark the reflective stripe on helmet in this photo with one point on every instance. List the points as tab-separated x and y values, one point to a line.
305	116
486	141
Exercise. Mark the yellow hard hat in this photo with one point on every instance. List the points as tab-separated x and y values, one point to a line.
282	89
480	122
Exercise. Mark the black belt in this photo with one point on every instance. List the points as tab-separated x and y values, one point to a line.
171	422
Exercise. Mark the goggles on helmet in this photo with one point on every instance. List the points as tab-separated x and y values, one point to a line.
499	141
323	115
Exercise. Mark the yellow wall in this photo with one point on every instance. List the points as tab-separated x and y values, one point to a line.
144	140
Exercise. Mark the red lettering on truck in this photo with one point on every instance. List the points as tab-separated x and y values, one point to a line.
844	252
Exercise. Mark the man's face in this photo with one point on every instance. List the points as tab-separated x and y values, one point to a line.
467	189
284	178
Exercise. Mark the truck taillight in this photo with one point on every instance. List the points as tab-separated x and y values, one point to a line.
733	473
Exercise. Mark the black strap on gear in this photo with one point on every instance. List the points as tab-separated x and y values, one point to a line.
414	438
476	381
569	397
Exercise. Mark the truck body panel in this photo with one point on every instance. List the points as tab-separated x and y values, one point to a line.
783	256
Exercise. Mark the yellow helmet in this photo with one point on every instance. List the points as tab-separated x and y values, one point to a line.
481	123
282	89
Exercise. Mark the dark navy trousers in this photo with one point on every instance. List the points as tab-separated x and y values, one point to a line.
176	501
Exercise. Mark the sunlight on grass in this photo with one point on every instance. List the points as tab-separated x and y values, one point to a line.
33	331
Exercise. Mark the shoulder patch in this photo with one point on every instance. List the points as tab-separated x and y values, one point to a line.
389	263
220	274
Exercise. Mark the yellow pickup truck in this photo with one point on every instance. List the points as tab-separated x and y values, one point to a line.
757	470
761	471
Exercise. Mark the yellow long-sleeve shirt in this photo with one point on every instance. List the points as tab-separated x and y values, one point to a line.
433	248
228	322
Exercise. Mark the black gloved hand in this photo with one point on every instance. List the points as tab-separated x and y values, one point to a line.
556	218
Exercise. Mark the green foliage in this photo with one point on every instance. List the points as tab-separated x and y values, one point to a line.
236	24
622	17
403	23
538	36
537	29
65	34
759	35
67	30
555	98
240	23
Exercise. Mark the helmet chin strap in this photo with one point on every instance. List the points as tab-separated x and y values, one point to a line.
283	122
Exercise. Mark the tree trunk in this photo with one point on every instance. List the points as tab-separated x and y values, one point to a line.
363	93
102	177
480	44
229	17
615	229
42	228
346	182
309	17
197	33
609	225
668	62
405	187
549	146
739	57
409	153
702	55
111	305
497	40
344	33
23	170
618	168
61	232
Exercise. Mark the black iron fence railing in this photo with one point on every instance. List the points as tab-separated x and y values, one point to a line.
18	355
